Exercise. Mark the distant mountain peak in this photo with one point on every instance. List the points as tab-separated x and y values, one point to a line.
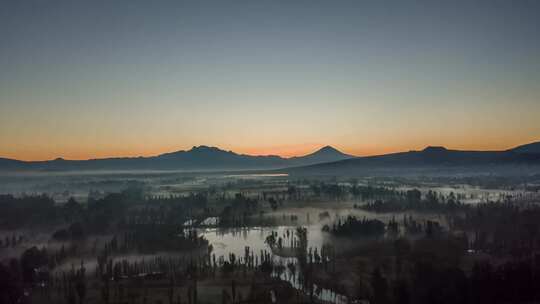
328	149
205	148
432	149
329	152
324	154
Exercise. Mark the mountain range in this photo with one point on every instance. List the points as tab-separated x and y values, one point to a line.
524	159
325	161
199	158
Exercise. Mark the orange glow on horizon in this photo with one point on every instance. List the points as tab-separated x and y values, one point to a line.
280	150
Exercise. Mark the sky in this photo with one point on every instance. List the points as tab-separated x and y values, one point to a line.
101	78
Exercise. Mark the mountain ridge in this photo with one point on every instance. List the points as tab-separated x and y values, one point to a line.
533	147
197	158
325	160
431	160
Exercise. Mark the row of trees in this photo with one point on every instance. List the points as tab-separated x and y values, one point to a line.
353	227
510	282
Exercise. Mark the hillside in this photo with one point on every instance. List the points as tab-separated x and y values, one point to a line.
199	158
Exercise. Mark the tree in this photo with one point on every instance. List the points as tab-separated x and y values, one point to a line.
31	260
380	287
10	286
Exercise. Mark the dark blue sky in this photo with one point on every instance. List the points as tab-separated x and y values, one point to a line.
104	78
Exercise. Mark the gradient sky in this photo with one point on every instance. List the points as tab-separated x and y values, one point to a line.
84	79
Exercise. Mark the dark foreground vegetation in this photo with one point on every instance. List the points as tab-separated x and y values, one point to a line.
381	244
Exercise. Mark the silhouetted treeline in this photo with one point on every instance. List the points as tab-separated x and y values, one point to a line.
430	282
353	227
19	211
238	212
413	200
502	228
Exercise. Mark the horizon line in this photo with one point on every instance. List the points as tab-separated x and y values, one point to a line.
254	155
